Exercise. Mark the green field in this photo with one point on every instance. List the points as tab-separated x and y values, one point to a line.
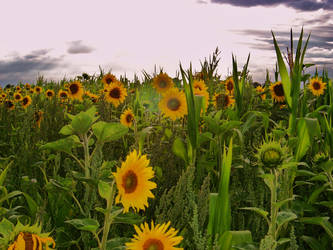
198	161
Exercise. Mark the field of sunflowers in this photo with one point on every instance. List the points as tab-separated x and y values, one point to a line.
198	161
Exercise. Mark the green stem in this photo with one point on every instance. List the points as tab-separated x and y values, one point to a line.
86	172
274	210
108	219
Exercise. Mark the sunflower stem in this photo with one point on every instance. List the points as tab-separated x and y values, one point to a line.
108	219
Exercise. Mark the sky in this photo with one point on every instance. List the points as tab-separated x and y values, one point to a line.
65	38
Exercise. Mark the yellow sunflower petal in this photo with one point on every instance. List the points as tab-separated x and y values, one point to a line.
173	104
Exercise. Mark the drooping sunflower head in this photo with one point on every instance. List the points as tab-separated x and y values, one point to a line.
173	104
229	86
115	93
317	86
222	101
75	90
38	89
260	89
49	93
38	116
127	118
9	104
108	79
157	237
21	237
277	91
162	83
17	97
26	101
62	95
271	154
132	179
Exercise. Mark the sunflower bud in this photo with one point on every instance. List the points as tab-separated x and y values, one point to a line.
271	154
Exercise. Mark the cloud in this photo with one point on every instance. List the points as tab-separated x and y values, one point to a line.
77	47
303	5
26	68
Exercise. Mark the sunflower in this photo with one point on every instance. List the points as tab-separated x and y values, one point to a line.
49	93
75	90
132	179
173	104
277	91
222	100
17	97
108	79
127	118
26	101
9	104
27	86
19	237
62	95
229	85
18	88
31	91
199	85
38	116
3	95
115	93
157	237
162	82
317	86
259	90
38	90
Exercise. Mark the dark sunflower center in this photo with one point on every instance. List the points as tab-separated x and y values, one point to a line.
93	99
230	86
198	87
25	101
17	97
29	243
38	89
278	90
173	104
49	93
130	182
162	84
74	88
129	118
153	244
63	95
108	80
316	85
9	104
226	101
115	93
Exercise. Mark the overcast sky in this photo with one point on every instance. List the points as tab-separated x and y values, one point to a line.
64	38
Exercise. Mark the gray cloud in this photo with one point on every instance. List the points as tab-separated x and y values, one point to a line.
77	47
303	5
26	68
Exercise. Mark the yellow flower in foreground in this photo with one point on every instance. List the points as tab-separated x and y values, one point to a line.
317	86
31	241
115	93
277	91
127	118
132	179
157	237
173	104
162	83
